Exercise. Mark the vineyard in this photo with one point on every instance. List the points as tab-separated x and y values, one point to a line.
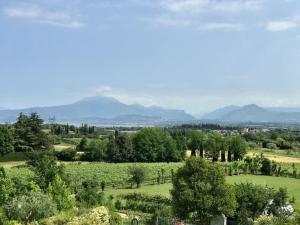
114	174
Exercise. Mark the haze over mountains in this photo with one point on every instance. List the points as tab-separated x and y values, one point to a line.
254	113
101	111
109	111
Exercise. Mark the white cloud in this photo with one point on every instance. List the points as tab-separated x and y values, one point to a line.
194	6
166	20
124	96
37	14
221	26
275	26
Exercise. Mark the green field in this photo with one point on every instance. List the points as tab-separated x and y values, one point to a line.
116	177
114	174
292	185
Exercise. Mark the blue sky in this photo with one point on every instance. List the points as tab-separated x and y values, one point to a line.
195	55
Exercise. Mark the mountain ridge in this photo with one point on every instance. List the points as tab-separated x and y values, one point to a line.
253	113
100	108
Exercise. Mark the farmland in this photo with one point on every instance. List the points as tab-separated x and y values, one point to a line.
291	184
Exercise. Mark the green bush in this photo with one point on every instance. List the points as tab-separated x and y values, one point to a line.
97	216
30	207
68	154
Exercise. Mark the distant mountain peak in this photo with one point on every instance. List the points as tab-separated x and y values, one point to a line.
101	109
253	113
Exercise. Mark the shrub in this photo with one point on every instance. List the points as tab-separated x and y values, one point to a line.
30	207
6	187
115	219
266	167
97	216
137	175
271	146
66	154
61	194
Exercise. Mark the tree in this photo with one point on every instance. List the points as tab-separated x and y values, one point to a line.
29	134
6	140
46	169
30	207
60	194
154	145
83	145
252	201
280	200
196	142
6	187
266	167
89	196
214	144
238	146
95	151
180	140
199	192
137	175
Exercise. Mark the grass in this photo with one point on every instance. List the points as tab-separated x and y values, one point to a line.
277	155
14	157
63	146
292	185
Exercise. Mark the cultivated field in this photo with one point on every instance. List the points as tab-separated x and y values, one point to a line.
292	185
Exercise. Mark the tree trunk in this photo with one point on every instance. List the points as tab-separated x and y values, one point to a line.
193	152
223	156
201	152
215	156
229	156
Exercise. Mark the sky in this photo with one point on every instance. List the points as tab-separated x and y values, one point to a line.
195	55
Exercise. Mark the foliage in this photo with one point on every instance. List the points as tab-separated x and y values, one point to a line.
97	216
163	216
60	194
145	203
95	150
199	192
155	145
66	154
115	219
89	196
137	175
6	187
46	169
238	146
252	201
266	167
30	207
6	140
29	134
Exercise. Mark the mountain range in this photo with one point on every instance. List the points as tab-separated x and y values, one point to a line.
254	113
109	111
101	111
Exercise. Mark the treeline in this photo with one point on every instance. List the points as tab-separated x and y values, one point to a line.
26	135
283	139
147	145
72	131
29	134
162	145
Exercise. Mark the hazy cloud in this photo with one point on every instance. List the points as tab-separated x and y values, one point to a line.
283	25
221	26
40	15
194	6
